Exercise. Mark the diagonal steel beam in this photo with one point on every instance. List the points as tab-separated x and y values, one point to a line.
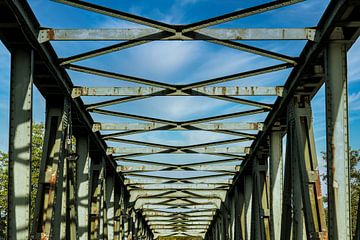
223	117
118	76
238	14
159	206
127	160
176	201
167	218
118	14
175	179
158	126
208	187
132	116
193	213
237	76
112	48
172	89
161	181
120	100
142	143
255	50
138	193
244	102
186	124
178	148
152	168
154	150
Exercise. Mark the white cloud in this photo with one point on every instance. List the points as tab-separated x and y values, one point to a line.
164	59
354	62
354	101
184	107
354	97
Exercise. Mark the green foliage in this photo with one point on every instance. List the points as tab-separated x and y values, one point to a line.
37	145
37	149
354	186
3	193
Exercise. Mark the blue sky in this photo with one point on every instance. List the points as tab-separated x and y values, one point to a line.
182	62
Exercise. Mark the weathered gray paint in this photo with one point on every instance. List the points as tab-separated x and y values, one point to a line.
21	95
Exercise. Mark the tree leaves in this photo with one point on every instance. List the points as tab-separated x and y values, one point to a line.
37	146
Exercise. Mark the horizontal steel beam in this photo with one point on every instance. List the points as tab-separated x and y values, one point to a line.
181	232
144	150
158	126
208	176
179	226
180	186
147	168
182	199
126	161
162	181
126	34
192	213
201	91
197	207
176	202
165	193
185	218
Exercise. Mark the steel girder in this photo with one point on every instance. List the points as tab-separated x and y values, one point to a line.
200	88
104	193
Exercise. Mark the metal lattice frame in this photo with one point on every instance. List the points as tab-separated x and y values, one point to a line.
104	192
178	193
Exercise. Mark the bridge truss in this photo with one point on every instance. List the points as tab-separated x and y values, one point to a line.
97	187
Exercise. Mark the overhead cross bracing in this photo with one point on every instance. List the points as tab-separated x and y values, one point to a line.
124	155
229	187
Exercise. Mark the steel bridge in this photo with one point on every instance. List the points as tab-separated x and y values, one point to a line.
103	191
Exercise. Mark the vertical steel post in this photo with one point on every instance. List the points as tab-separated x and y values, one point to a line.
247	211
21	90
240	216
287	205
110	204
83	190
126	220
337	138
233	200
102	202
117	212
303	208
95	203
49	204
71	211
276	182
260	206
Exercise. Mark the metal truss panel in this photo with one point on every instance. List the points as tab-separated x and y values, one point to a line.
180	186
201	91
160	181
159	126
150	206
180	206
212	168
126	34
220	150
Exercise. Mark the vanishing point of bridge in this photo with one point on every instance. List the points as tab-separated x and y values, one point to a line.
101	190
